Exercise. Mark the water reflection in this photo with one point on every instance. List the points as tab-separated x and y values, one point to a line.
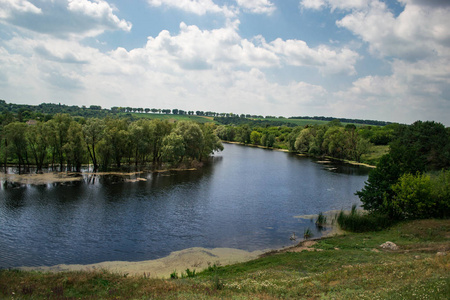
245	198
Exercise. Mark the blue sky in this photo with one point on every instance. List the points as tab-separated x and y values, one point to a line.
367	59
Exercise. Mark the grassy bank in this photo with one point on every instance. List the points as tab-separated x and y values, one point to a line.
342	267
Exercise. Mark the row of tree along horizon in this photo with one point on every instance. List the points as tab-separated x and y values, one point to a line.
42	111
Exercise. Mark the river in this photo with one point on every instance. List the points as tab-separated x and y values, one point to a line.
246	198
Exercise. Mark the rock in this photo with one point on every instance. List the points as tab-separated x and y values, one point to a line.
441	254
389	246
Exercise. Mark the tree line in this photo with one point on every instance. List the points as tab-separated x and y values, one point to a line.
66	143
332	139
44	112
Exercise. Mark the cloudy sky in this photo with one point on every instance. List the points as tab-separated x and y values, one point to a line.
367	59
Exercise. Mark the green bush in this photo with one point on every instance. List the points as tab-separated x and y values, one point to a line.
357	222
421	196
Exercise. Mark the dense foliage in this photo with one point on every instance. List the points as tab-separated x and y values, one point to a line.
405	183
68	143
332	139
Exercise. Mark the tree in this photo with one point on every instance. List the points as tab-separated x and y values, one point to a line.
422	146
93	132
75	146
304	140
158	130
58	127
415	149
116	142
192	138
255	137
16	136
412	197
173	149
140	140
378	187
37	138
211	143
243	134
334	142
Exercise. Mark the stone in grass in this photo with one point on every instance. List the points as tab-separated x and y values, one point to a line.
389	246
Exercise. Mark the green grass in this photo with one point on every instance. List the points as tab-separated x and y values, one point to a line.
303	122
350	266
376	152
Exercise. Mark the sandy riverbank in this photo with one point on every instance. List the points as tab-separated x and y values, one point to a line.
39	179
192	258
64	177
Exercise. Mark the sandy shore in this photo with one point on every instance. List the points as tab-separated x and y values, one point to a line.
63	177
39	179
192	258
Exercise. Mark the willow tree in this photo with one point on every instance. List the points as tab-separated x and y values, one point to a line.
75	148
93	132
38	140
58	127
16	136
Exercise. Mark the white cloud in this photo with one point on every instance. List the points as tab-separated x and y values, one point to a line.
63	18
414	91
9	7
202	7
257	6
98	10
313	4
199	7
327	60
333	4
418	32
188	70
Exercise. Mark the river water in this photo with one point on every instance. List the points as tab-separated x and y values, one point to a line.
246	198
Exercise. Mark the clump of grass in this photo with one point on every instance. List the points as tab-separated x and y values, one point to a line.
358	222
189	273
321	221
174	275
307	233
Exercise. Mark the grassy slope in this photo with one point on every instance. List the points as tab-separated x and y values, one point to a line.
351	266
303	122
198	119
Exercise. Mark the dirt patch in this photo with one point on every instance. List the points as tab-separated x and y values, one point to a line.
303	246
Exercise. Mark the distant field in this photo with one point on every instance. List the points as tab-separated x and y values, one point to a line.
152	116
303	122
204	119
298	122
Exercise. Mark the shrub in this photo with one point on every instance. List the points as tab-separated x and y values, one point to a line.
174	275
412	199
189	273
357	222
421	196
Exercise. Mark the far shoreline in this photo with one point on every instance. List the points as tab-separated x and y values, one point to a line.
355	163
